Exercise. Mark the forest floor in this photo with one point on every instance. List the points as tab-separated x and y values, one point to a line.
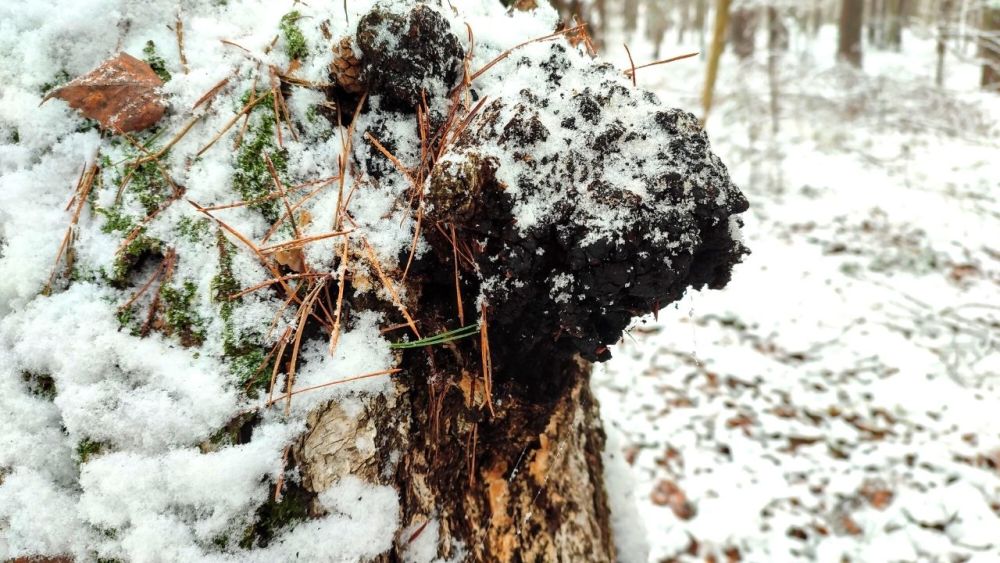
839	399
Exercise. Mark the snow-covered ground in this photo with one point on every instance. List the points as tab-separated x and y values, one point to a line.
840	399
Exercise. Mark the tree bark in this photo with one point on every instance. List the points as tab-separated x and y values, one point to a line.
777	42
849	48
657	24
524	485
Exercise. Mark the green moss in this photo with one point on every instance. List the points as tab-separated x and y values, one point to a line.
245	356
273	517
59	79
236	431
125	317
40	385
148	185
115	220
295	42
224	283
155	61
87	449
252	178
149	189
179	313
194	230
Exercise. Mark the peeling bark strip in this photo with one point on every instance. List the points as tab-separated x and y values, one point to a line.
567	211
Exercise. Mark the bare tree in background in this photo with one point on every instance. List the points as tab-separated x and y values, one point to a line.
944	21
989	45
743	30
894	23
657	23
851	16
684	19
777	43
700	15
631	12
714	54
872	18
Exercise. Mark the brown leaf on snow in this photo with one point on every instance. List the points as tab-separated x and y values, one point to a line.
849	526
877	494
667	493
122	94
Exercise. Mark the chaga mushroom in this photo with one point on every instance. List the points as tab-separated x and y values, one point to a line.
408	54
606	206
589	208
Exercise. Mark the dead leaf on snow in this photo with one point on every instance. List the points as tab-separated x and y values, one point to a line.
667	493
877	494
122	94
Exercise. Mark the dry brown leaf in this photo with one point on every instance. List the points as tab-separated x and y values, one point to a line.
292	258
122	94
877	494
849	526
667	493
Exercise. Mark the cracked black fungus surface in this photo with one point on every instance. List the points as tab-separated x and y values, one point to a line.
677	232
407	54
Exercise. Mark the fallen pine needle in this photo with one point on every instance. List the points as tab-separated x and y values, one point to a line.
338	382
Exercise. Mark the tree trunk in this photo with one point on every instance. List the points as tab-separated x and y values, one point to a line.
894	21
873	9
777	43
849	48
524	485
743	32
989	47
714	56
815	18
631	12
700	15
942	40
684	9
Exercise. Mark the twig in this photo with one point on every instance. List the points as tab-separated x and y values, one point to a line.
338	382
634	68
211	92
179	30
389	287
632	63
341	281
84	184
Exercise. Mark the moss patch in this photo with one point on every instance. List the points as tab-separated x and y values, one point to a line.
246	357
273	517
40	385
194	230
87	449
295	42
252	178
179	314
155	61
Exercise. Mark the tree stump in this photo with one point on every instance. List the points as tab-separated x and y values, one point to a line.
503	463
